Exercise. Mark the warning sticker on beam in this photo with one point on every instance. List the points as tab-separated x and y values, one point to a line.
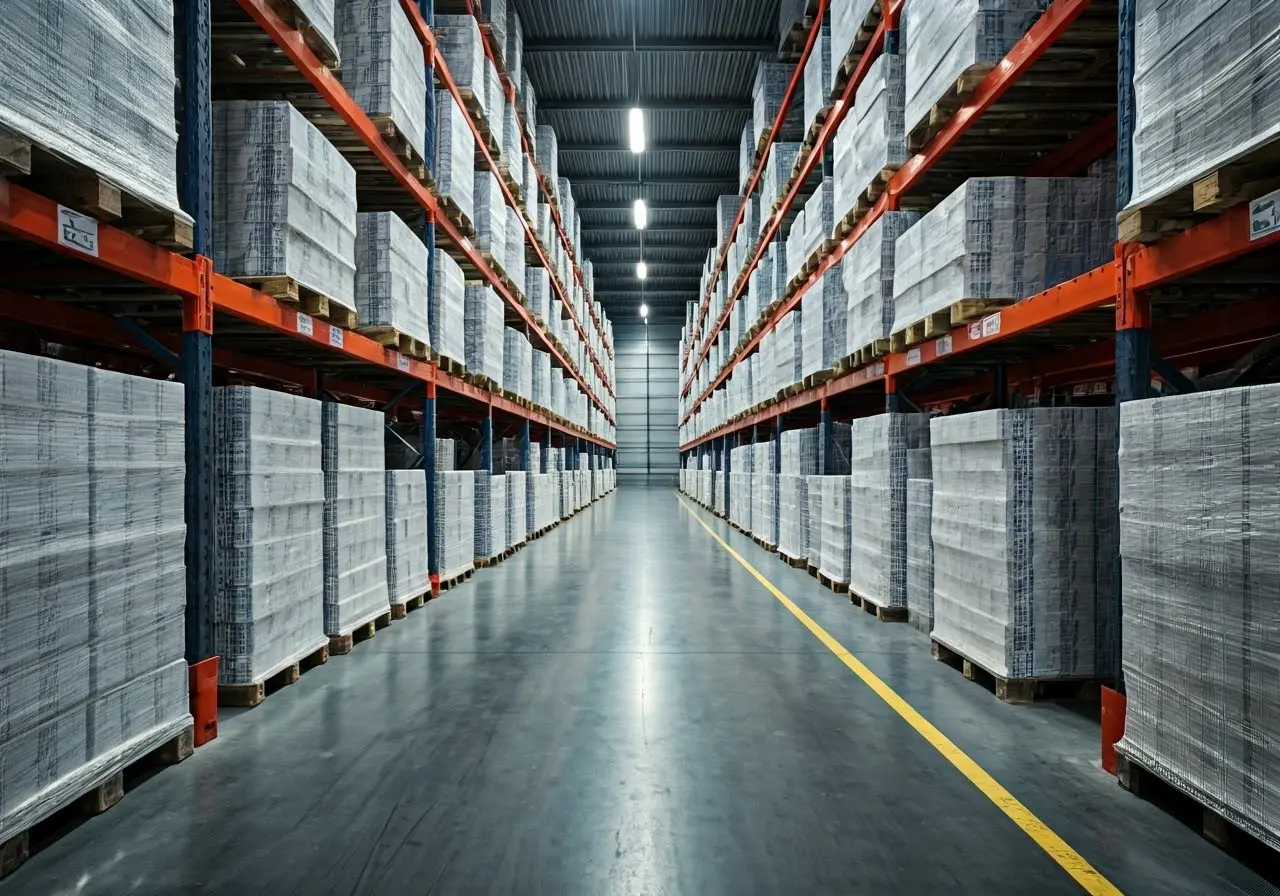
1264	216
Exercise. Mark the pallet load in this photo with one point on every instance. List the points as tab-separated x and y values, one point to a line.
382	67
777	170
483	331
355	524
817	77
799	462
491	218
455	162
868	270
540	379
952	46
92	83
406	520
870	143
491	515
764	497
514	261
726	214
517	363
919	540
516	531
1024	541
269	606
391	282
835	527
878	536
447	320
458	40
813	531
746	156
284	207
556	404
92	589
998	240
822	322
455	515
847	18
1198	551
772	80
537	290
529	183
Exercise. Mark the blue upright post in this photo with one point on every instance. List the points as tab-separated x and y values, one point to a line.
486	441
524	447
824	439
545	460
429	466
728	468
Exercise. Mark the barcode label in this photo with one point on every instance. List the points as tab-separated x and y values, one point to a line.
335	337
305	325
77	231
942	345
913	356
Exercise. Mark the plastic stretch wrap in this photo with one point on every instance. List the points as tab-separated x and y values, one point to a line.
868	269
484	332
556	404
837	507
355	517
455	165
528	104
517	363
819	216
878	532
92	587
537	285
847	17
949	37
284	200
406	535
565	194
746	156
382	66
546	150
789	350
777	169
813	528
871	139
1200	553
920	554
448	308
793	516
726	213
490	514
514	261
491	217
1024	539
540	378
529	181
458	40
822	321
513	49
1001	237
772	79
497	13
269	610
391	275
455	522
511	153
817	76
94	82
515	529
495	105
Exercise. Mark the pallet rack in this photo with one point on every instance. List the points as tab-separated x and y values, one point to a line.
1201	297
101	295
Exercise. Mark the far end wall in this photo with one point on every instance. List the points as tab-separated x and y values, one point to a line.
648	450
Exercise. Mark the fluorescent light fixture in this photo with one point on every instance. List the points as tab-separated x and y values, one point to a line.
635	130
642	270
640	213
644	310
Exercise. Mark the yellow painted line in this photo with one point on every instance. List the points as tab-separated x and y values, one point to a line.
1058	849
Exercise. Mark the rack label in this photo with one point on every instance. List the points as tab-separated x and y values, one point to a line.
335	336
1264	215
77	231
305	325
402	362
942	345
991	324
913	356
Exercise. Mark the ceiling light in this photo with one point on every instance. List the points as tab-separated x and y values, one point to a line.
635	130
644	310
642	270
640	213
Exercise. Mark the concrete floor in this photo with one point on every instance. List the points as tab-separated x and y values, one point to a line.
622	708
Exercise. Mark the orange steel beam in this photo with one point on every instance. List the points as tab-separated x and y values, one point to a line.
1217	240
433	57
1086	147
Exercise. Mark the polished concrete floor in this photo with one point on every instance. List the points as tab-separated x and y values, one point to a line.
622	708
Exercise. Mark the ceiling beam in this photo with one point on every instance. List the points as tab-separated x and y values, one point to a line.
623	247
658	181
652	206
659	147
651	45
656	105
652	228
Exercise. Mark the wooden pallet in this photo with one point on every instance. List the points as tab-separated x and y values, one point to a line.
817	379
402	342
1250	177
831	584
340	644
478	115
1014	690
482	562
81	189
308	300
793	562
96	799
401	610
930	326
842	70
957	93
883	613
457	217
450	366
813	570
454	581
252	694
353	148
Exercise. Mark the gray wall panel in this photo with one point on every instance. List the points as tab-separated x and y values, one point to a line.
647	436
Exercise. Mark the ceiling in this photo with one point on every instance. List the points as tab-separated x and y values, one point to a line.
692	72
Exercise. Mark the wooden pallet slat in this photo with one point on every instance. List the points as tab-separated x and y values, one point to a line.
344	643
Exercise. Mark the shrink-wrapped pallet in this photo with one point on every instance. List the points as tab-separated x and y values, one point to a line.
517	363
495	107
1024	540
529	182
547	154
920	554
835	527
878	536
1206	87
513	49
490	515
540	379
556	404
948	38
514	262
391	275
529	105
355	517
455	523
517	530
1200	554
868	269
496	14
382	66
511	152
455	162
772	79
284	200
1001	238
870	143
817	76
726	214
406	535
458	40
847	19
483	332
790	349
537	286
822	321
94	83
269	605
764	511
799	462
777	171
448	308
92	587
746	156
813	527
491	217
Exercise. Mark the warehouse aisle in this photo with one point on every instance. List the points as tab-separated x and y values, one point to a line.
622	708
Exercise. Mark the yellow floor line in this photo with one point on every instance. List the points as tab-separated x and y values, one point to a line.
1071	861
